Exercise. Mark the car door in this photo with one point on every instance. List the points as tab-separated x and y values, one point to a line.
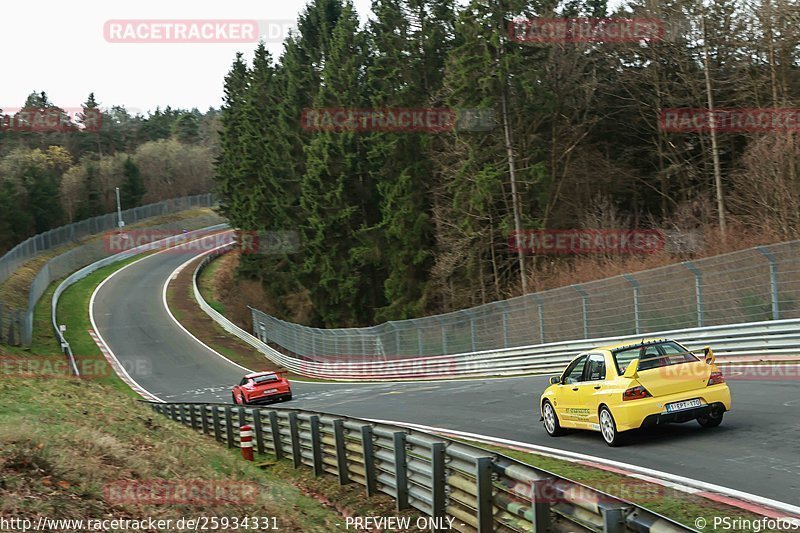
593	389
568	396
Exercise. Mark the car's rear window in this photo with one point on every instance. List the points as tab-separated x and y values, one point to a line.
653	356
265	379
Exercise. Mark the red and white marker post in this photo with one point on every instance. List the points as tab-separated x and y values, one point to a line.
246	439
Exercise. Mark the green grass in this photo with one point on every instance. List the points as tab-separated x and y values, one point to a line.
73	312
205	285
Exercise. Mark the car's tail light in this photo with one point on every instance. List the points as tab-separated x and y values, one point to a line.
716	378
635	393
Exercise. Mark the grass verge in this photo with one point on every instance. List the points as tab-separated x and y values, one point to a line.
68	445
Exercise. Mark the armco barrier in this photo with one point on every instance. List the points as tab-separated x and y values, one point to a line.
468	488
85	271
757	338
20	323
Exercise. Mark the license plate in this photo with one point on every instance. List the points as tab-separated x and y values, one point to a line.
680	406
269	391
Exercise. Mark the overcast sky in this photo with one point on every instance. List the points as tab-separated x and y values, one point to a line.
59	47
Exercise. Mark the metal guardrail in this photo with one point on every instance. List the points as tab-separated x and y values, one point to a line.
757	338
19	321
754	285
481	491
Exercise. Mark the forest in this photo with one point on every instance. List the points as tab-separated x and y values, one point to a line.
60	165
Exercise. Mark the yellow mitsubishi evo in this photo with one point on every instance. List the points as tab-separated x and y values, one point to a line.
617	388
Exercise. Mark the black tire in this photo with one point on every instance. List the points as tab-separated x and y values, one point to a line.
608	428
233	397
551	425
712	419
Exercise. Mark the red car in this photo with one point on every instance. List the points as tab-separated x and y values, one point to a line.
262	387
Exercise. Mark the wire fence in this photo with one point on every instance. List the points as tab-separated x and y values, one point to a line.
16	325
756	284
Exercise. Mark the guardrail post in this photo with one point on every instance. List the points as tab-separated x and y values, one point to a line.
419	341
173	412
193	416
584	309
229	426
257	428
773	281
540	503
216	422
369	459
505	326
698	290
182	409
275	429
636	311
483	475
443	333
294	432
242	416
400	473
341	451
316	445
203	419
613	518
540	307
437	479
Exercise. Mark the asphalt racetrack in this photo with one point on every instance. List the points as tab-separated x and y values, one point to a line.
756	449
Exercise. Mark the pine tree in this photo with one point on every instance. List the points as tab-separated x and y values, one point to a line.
132	190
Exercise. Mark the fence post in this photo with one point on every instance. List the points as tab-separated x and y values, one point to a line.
193	416
229	426
400	473
276	434
636	316
242	416
613	518
437	480
483	475
369	459
540	306
316	445
773	280
472	333
584	309
698	290
341	451
257	428
294	433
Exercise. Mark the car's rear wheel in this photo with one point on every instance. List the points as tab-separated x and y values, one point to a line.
712	419
551	425
608	427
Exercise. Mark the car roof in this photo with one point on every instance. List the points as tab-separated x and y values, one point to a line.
631	344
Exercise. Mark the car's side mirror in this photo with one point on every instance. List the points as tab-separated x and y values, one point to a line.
710	358
632	370
555	380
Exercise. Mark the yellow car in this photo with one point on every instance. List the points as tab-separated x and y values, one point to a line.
617	388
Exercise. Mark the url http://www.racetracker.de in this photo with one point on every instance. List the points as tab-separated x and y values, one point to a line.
730	523
197	523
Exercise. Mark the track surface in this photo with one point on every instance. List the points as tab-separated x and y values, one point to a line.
757	448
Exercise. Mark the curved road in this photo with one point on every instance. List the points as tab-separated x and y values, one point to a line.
757	448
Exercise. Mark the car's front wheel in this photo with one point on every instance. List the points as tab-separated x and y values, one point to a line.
712	419
608	427
233	397
551	425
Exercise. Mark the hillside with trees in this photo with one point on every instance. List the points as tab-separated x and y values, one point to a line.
67	170
399	224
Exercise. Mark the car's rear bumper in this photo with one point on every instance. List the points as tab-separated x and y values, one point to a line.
652	411
271	398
